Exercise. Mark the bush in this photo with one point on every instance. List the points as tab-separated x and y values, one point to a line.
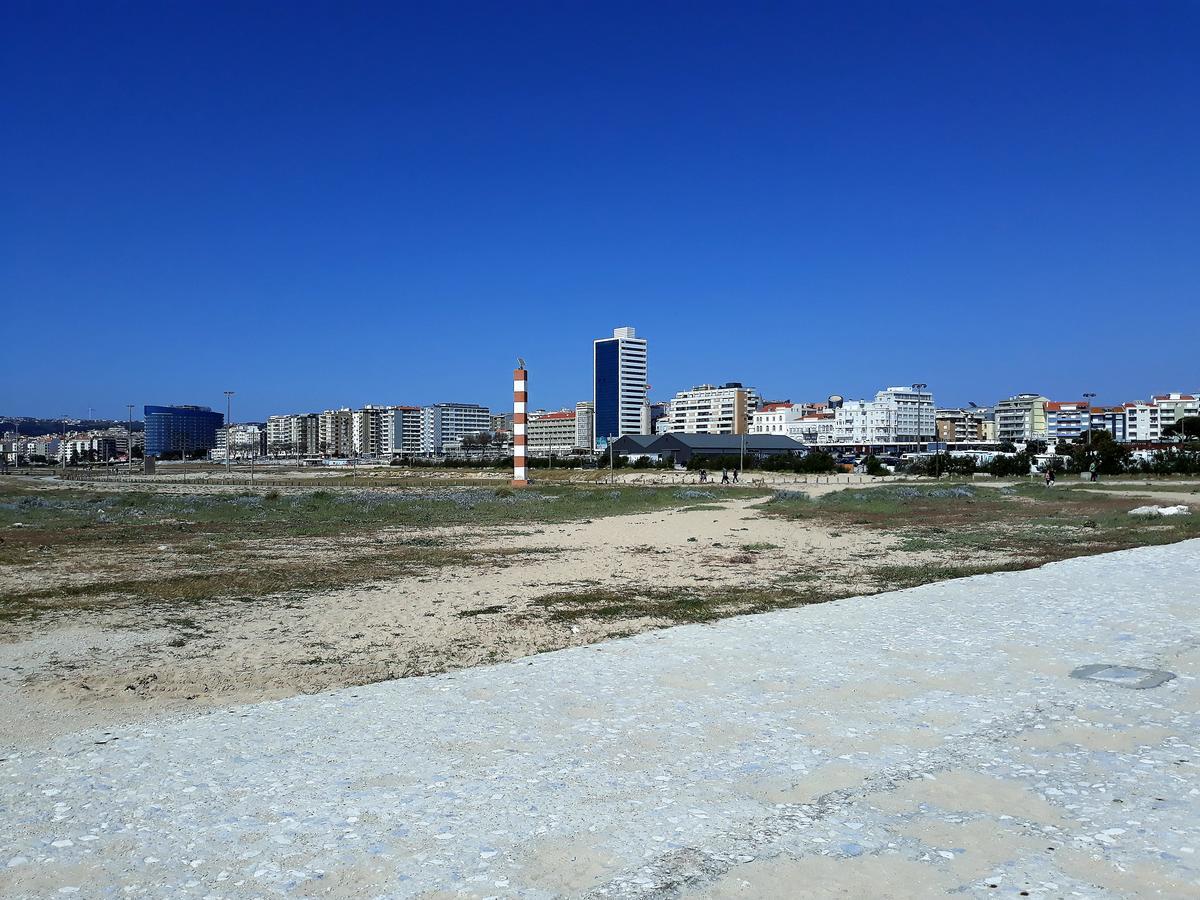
1016	464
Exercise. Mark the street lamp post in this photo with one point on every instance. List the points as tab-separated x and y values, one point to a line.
129	434
228	412
917	388
1088	396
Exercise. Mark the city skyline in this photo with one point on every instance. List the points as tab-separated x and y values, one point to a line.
346	207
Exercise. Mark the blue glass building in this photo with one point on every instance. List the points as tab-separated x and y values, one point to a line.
618	385
181	429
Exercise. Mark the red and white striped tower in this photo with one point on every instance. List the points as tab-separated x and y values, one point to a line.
520	404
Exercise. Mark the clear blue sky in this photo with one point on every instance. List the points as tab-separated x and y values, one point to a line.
334	204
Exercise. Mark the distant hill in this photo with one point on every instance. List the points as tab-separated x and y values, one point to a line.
37	427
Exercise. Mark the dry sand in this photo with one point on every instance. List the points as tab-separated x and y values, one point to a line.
85	668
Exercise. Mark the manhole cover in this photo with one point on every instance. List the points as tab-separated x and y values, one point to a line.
1125	676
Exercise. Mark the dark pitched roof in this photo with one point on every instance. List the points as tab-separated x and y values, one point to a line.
731	442
635	442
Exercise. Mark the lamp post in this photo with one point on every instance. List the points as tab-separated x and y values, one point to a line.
129	433
1088	396
228	411
917	388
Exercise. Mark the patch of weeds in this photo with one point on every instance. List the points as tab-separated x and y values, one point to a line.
759	547
484	611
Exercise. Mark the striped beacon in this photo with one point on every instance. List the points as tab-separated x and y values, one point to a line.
520	404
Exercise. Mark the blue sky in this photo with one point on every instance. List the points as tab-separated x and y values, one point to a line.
320	204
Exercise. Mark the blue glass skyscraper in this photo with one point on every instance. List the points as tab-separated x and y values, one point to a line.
618	385
181	429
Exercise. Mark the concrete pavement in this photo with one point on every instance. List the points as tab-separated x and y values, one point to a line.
903	745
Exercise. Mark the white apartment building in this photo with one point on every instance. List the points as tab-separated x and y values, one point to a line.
1021	418
292	435
87	447
366	429
1173	407
451	422
774	418
585	425
551	432
619	385
708	409
248	440
400	430
897	415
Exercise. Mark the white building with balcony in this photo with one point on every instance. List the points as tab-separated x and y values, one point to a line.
708	409
451	422
897	415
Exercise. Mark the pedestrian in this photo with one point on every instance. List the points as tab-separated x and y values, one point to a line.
724	476
1093	469
735	474
1050	476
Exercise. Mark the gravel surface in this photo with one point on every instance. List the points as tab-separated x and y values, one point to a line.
906	745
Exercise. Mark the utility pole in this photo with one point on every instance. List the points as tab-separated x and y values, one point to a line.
917	389
62	447
742	457
1088	396
612	475
129	433
228	420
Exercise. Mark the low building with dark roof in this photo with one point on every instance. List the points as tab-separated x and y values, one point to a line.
682	447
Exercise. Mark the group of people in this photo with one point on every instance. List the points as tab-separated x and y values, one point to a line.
725	479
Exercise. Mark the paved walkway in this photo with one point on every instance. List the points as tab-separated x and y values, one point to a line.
901	745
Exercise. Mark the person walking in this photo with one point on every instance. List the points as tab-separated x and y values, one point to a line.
1094	469
735	474
724	476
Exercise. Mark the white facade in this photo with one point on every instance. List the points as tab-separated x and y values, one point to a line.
707	409
585	425
619	393
551	432
292	435
445	422
248	440
1173	407
776	418
400	430
897	415
1021	418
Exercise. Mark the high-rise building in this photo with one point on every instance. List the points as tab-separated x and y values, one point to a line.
707	409
1021	418
247	440
445	423
181	429
293	435
400	430
585	425
618	385
335	432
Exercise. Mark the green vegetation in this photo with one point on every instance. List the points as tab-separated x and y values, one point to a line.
675	605
1029	523
244	546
